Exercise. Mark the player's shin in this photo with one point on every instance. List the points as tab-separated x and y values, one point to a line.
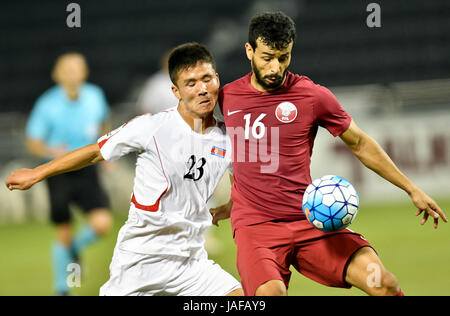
61	258
84	237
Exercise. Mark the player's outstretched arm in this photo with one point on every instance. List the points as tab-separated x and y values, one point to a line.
370	153
24	179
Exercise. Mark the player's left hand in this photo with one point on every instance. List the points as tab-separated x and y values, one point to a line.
427	206
221	212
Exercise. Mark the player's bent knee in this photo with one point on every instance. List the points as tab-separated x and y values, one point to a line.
237	292
388	286
101	221
366	272
271	288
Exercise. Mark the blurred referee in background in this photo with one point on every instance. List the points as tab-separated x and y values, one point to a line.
70	115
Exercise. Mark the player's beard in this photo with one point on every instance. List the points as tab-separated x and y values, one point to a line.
279	80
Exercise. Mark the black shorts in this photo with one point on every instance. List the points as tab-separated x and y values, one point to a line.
81	187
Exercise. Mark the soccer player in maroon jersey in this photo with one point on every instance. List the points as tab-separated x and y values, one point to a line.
272	117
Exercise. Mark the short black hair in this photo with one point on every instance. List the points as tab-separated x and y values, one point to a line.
276	29
187	55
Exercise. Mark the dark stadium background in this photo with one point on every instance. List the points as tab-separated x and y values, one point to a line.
123	41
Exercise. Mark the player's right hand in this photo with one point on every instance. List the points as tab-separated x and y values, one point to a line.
21	179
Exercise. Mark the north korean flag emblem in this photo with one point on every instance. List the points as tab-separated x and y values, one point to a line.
219	152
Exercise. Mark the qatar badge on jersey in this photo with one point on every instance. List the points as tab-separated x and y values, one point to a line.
286	112
219	152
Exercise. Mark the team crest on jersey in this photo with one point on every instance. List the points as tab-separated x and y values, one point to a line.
286	112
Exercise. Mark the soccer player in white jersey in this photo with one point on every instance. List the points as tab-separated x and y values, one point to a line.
182	154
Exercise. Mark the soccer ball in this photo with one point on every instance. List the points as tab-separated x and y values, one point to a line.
330	203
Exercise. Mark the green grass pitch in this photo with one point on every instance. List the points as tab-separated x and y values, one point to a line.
418	255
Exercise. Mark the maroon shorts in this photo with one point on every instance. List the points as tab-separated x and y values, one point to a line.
266	251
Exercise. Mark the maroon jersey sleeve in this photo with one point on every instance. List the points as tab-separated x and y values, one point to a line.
329	113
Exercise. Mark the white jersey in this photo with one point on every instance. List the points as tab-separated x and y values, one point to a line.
177	171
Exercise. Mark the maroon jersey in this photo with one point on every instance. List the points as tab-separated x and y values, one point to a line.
273	135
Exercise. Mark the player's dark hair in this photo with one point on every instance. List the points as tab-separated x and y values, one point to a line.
275	29
187	55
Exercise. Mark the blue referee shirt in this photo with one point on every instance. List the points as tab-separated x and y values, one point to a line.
58	121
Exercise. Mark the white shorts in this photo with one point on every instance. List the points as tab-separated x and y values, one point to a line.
139	274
